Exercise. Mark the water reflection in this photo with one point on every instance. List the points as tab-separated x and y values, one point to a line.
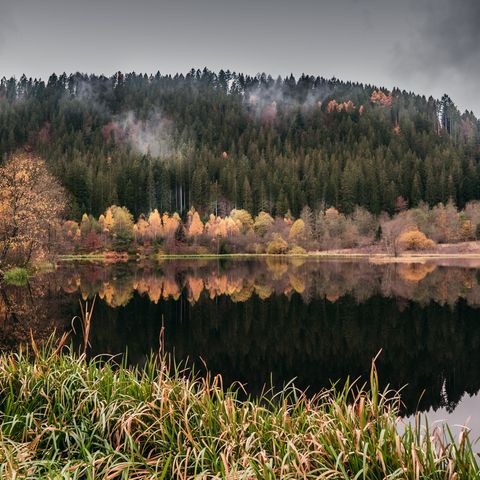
316	321
242	280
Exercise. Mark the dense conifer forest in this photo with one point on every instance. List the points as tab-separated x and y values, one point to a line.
224	140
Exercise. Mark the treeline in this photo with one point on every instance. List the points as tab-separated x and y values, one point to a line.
33	225
223	141
420	228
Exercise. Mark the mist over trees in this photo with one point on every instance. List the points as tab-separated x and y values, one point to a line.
223	141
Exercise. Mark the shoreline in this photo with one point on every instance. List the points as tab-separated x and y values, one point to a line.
373	257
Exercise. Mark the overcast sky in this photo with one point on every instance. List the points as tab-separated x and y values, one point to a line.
427	46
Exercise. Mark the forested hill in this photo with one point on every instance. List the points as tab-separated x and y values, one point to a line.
218	141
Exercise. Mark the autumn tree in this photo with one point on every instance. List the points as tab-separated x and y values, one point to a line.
392	230
90	233
263	223
277	246
122	228
297	230
415	240
31	204
195	224
244	217
141	229
155	225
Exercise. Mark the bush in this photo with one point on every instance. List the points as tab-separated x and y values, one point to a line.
259	248
415	240
297	250
277	246
16	276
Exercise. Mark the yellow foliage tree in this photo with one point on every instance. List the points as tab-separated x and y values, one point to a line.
263	222
102	222
109	219
122	228
243	217
155	225
297	230
415	240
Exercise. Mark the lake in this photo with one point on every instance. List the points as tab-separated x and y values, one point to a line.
268	321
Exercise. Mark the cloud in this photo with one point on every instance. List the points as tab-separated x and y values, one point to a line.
452	34
8	26
5	24
444	48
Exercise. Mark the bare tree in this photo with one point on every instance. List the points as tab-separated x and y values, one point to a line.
392	230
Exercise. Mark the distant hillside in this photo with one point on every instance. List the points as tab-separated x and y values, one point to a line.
222	140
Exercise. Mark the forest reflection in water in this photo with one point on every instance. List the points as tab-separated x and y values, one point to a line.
252	320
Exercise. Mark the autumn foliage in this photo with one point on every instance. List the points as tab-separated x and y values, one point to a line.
415	240
31	204
380	98
347	106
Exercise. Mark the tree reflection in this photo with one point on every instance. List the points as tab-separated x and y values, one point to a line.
316	321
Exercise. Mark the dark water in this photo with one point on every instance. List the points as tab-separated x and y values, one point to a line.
257	321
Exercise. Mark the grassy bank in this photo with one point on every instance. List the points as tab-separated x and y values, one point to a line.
61	417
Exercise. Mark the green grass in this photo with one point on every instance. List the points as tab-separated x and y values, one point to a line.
63	417
16	276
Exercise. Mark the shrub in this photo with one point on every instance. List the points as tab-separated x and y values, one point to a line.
277	246
258	248
16	276
415	240
297	250
467	232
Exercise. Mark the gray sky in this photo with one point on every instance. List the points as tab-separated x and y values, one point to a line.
426	46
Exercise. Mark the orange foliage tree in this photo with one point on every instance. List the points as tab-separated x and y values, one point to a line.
415	240
195	225
31	204
380	98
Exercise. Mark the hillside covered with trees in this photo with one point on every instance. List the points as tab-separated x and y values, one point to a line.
223	141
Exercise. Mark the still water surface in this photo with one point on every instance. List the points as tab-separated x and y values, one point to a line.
269	320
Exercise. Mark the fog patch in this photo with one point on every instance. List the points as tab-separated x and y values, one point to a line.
152	135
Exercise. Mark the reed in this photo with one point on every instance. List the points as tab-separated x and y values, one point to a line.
62	416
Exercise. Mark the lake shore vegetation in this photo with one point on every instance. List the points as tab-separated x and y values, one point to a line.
62	416
115	235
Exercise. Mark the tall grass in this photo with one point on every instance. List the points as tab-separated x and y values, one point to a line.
64	417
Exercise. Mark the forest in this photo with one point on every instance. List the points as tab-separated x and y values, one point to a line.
223	141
